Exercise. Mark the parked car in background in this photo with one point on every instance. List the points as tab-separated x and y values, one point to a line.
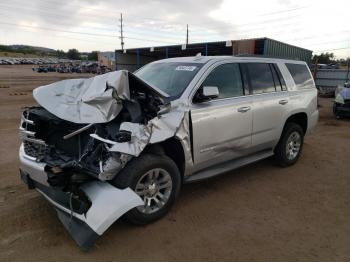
341	105
122	144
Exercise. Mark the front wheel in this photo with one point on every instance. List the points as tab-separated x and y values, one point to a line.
289	147
156	179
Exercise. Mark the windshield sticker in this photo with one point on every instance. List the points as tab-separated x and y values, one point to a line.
185	68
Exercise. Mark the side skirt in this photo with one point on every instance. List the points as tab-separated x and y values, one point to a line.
228	166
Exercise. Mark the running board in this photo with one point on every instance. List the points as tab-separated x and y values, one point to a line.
228	166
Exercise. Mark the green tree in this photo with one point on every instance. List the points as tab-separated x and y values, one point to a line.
73	54
92	56
323	58
61	54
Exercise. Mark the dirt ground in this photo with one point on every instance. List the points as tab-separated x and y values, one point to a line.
257	213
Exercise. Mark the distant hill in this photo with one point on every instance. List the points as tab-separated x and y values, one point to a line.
39	48
27	49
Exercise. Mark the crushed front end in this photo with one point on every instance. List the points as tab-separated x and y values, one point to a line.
69	172
79	138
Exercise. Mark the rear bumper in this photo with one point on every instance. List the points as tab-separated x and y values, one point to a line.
84	223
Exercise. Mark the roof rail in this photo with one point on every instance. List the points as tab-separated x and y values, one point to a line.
266	56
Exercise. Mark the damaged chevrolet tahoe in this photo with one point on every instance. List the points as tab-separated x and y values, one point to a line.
122	144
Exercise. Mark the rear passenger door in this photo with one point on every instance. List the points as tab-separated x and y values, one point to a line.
270	103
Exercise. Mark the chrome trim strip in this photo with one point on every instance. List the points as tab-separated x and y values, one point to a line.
27	120
33	140
26	132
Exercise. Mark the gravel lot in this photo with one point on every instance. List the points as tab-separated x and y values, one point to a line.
257	213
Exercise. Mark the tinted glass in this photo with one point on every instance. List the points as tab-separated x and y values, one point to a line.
261	79
227	78
172	78
301	75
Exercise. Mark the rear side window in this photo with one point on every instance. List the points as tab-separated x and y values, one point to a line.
260	76
227	78
300	74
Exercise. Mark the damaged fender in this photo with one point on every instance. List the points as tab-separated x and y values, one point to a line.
115	116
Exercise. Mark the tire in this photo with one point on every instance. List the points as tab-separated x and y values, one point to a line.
136	175
283	156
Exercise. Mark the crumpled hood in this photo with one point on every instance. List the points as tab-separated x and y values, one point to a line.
93	100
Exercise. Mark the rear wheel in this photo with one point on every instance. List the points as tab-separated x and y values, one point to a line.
289	147
156	179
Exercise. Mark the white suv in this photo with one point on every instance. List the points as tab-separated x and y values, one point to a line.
123	144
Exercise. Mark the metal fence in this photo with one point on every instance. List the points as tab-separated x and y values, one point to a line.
327	80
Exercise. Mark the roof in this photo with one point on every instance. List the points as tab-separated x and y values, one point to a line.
205	59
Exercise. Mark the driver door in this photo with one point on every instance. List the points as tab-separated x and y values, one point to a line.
222	127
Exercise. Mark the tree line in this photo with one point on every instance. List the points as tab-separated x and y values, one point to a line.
72	54
328	58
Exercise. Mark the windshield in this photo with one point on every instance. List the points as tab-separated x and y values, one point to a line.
171	78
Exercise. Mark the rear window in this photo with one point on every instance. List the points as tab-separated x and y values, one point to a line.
301	75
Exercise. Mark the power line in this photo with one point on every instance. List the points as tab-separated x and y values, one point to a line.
56	30
78	39
53	13
331	42
217	33
60	22
150	40
93	17
342	48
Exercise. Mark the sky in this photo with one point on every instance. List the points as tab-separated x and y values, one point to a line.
88	25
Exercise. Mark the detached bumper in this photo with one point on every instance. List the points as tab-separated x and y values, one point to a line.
85	224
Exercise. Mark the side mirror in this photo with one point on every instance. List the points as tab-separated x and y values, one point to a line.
210	92
206	93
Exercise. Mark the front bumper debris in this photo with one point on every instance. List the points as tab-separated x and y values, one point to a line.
84	223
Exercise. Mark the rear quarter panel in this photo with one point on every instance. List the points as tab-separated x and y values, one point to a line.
302	100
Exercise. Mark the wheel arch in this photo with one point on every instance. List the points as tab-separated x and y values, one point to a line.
299	118
173	149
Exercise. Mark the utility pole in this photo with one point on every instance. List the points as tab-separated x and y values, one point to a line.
121	32
347	72
187	34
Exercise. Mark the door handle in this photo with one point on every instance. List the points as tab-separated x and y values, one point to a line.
283	102
243	109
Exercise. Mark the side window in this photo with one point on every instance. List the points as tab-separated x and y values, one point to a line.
261	79
300	74
281	79
227	78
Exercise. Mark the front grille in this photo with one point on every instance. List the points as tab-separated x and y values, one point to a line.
34	149
32	146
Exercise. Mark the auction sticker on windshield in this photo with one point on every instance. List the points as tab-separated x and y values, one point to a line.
185	68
